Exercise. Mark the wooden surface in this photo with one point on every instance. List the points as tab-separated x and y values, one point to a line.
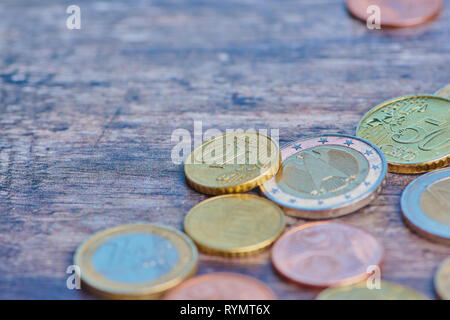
86	117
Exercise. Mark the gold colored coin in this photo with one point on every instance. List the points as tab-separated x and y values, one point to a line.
231	163
360	291
444	92
442	280
235	224
413	132
135	261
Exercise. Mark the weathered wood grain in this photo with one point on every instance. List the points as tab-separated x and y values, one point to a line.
86	117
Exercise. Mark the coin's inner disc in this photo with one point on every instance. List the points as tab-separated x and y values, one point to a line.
322	172
435	201
135	258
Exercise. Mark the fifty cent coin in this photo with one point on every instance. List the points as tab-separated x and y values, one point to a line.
387	291
323	254
426	205
396	13
444	92
235	224
442	280
413	132
135	261
221	286
231	163
327	176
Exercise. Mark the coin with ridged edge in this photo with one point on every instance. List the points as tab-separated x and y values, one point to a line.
327	176
425	205
360	291
413	132
234	225
232	163
442	280
139	261
444	92
221	286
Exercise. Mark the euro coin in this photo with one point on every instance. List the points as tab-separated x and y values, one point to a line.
444	92
360	291
396	13
327	176
442	280
413	132
232	163
135	261
234	225
221	286
425	205
324	254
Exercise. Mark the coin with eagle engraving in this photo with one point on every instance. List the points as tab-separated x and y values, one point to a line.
326	176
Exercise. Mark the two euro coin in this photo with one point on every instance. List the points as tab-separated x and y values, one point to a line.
327	176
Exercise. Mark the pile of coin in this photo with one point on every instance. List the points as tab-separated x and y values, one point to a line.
318	177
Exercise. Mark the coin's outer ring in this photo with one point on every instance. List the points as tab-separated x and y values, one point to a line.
398	24
415	167
269	293
440	292
324	211
119	292
329	293
238	188
413	215
241	251
343	282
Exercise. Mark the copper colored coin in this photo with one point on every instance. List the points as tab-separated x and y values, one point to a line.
397	13
221	286
325	254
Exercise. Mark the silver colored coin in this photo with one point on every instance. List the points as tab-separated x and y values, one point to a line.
426	205
327	176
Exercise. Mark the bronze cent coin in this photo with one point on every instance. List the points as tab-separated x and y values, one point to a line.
324	254
397	13
221	286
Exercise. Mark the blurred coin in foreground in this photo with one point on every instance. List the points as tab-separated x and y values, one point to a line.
234	224
360	291
442	280
135	261
425	205
221	286
323	254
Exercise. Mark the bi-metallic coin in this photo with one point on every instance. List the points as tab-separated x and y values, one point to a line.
327	176
135	261
426	205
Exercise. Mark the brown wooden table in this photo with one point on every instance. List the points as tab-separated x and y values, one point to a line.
86	118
